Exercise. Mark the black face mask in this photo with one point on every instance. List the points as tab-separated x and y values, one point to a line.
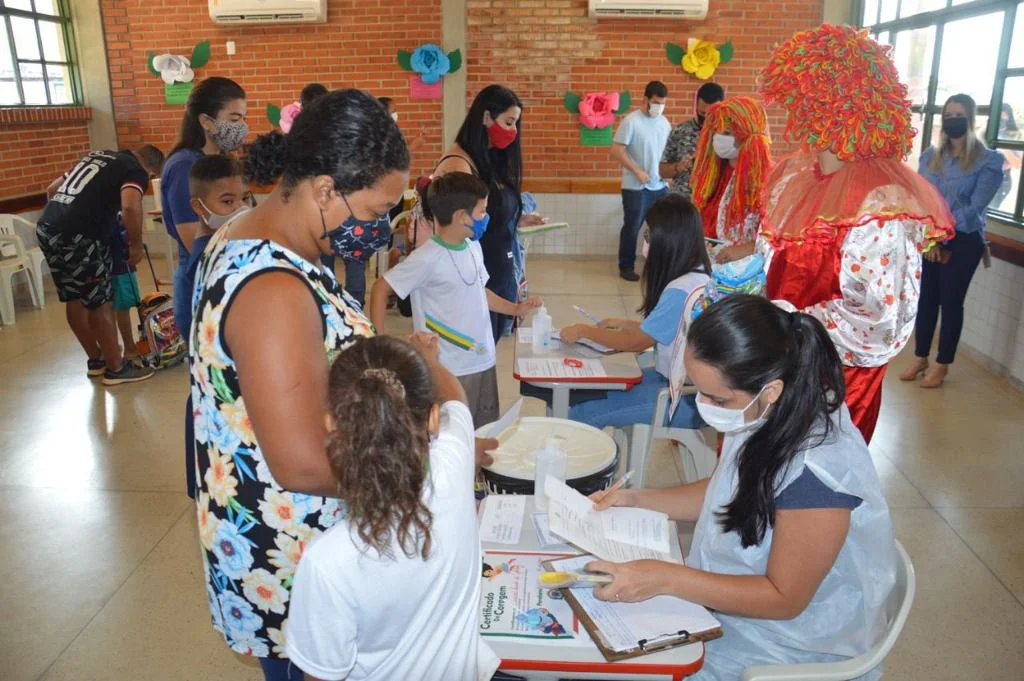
955	128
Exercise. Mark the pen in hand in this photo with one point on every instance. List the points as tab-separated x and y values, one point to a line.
586	314
598	497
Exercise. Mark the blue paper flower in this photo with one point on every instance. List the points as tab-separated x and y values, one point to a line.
430	62
239	619
233	552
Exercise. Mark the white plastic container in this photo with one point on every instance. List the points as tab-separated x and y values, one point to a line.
553	461
541	330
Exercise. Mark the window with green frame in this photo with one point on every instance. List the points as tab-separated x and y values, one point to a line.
37	54
943	47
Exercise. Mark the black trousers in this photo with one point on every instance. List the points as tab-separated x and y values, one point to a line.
944	288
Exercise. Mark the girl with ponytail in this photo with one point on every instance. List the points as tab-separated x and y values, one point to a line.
733	159
389	589
793	545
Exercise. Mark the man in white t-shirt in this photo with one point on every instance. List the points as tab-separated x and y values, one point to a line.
639	144
445	279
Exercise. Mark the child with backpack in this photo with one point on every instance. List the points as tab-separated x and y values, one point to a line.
446	280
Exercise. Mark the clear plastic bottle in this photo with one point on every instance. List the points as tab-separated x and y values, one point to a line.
553	461
541	330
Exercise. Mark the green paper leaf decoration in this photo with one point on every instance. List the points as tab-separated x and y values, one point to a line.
149	64
455	57
725	52
405	60
675	53
274	114
625	101
572	102
200	55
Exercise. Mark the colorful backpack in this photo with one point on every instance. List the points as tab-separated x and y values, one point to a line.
161	343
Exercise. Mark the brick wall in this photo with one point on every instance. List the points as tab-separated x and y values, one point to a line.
356	48
541	48
37	145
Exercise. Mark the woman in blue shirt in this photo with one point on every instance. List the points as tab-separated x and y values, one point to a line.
214	123
968	175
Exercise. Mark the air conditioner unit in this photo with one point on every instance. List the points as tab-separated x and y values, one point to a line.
653	9
268	11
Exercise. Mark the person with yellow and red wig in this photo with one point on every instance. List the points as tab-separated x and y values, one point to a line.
847	220
732	161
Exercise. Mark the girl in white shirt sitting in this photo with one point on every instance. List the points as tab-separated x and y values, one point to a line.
392	590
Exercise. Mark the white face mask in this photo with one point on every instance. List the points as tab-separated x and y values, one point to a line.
657	109
726	420
215	221
394	116
725	146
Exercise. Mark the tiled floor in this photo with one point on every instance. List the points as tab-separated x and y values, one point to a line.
99	542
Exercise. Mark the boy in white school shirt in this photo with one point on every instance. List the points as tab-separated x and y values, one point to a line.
445	279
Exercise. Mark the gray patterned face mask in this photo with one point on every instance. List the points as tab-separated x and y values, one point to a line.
230	136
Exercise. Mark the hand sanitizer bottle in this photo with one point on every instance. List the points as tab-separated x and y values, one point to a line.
553	461
541	330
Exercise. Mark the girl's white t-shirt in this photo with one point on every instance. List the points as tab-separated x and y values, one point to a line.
356	616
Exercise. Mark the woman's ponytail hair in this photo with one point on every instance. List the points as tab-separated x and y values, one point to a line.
381	396
345	134
752	342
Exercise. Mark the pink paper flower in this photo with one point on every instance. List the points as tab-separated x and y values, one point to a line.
288	114
597	109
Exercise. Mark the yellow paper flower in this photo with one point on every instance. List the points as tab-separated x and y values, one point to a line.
702	58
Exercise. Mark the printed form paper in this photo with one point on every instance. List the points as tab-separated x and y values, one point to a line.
572	517
557	368
623	625
502	519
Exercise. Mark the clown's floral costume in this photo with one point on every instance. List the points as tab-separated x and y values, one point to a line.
846	246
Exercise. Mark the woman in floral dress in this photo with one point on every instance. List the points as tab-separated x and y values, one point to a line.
269	321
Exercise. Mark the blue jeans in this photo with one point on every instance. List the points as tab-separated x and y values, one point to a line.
627	407
355	280
635	203
280	670
181	301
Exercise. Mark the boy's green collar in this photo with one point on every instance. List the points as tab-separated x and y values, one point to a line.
451	247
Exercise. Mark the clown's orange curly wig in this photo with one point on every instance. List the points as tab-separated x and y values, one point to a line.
745	118
842	92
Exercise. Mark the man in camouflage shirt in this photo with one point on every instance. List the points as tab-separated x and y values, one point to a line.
677	159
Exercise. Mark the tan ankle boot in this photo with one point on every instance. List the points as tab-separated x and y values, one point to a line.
934	377
916	368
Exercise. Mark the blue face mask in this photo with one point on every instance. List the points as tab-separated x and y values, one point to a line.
479	226
358	239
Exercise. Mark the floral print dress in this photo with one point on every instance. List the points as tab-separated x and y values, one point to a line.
252	531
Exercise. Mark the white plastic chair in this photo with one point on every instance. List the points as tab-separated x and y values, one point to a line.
9	266
697	447
155	223
37	261
382	255
897	609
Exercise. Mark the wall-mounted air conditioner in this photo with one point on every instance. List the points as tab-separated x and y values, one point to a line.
268	11
693	10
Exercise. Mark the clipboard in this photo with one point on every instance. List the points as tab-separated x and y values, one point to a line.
645	646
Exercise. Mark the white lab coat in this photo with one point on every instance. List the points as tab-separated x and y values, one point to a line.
847	614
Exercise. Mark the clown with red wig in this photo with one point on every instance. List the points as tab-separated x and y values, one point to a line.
729	171
847	220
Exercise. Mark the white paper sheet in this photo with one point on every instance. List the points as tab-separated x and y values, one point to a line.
547	540
640	526
507	419
502	519
555	369
572	517
623	625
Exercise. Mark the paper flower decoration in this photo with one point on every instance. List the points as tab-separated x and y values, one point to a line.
430	62
701	57
597	111
288	114
176	69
